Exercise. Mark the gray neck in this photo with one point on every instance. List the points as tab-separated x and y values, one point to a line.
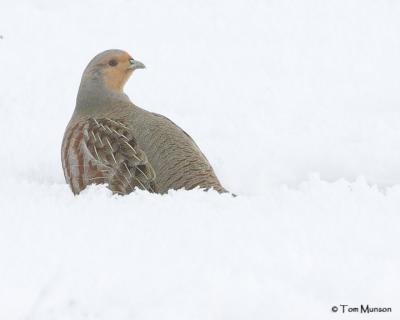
94	98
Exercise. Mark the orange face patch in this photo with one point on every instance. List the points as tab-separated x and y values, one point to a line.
116	71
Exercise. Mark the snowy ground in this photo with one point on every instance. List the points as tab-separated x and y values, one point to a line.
296	105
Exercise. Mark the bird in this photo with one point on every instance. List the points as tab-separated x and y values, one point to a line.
109	140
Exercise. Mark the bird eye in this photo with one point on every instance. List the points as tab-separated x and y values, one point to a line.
113	62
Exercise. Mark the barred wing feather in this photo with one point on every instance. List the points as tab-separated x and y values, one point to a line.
105	151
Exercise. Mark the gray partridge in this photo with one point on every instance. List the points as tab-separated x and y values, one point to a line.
109	140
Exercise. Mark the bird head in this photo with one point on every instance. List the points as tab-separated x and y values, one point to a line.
112	68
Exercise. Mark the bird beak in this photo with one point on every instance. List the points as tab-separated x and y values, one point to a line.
135	64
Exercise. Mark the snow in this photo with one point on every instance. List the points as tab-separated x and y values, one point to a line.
295	104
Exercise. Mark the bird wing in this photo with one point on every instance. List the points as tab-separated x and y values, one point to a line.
173	123
183	131
104	150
